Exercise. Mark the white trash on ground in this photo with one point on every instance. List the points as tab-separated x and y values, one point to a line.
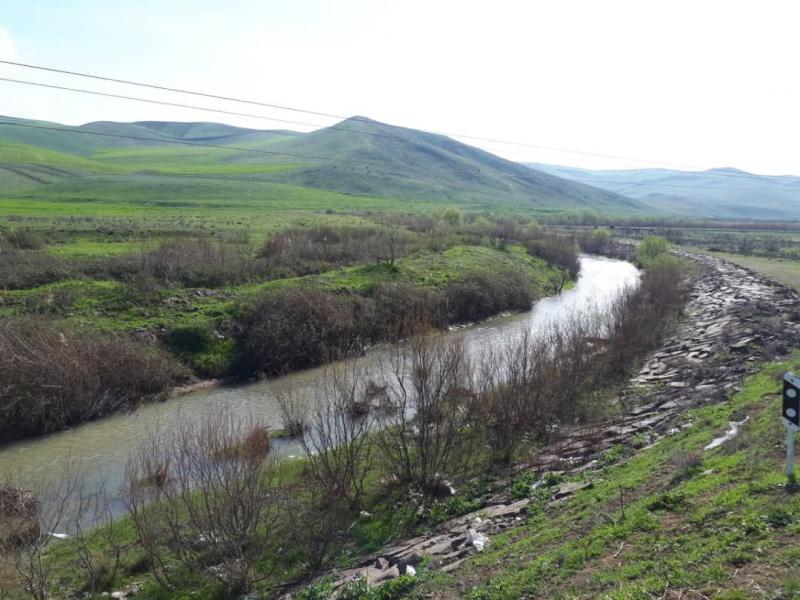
476	539
733	431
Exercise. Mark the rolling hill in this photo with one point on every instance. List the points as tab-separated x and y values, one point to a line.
716	193
358	157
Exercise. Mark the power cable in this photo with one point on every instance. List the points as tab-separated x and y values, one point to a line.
342	117
530	178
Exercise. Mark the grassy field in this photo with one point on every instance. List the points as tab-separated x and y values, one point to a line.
783	271
112	305
671	521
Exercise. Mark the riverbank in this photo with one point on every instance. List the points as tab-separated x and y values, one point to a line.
661	496
106	443
239	332
395	507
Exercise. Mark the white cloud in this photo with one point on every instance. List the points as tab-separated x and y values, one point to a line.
8	51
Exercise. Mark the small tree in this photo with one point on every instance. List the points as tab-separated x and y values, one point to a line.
429	390
335	442
28	520
204	499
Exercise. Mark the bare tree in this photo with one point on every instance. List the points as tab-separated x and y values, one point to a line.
28	521
429	389
336	443
204	499
512	398
93	521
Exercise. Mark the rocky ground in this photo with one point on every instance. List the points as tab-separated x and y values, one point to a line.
735	319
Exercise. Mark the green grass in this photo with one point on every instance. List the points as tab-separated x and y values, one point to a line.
119	307
84	246
783	271
670	518
711	523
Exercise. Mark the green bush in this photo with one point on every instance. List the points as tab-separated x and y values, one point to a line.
192	339
651	248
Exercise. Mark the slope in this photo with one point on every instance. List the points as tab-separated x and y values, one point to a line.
368	157
357	156
716	193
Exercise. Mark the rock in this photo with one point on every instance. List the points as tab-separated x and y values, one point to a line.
377	576
741	344
572	487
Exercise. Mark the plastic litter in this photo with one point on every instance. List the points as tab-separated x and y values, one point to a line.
410	570
733	431
477	540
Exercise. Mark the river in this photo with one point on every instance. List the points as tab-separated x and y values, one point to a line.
102	447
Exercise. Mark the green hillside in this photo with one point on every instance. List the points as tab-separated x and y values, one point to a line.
382	159
355	157
716	193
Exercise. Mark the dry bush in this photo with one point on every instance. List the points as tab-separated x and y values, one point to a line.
93	522
21	269
478	297
318	527
295	329
189	262
28	518
640	316
558	250
537	381
428	382
303	250
512	397
577	365
21	239
52	379
215	510
336	443
404	310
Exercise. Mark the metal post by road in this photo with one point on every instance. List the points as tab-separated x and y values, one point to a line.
790	454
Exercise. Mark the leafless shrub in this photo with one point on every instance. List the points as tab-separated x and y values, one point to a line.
50	379
302	250
336	443
21	239
429	389
512	400
480	296
640	315
295	411
217	509
28	520
317	525
557	249
192	262
100	567
404	310
20	269
299	328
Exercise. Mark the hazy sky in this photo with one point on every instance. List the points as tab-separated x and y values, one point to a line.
700	83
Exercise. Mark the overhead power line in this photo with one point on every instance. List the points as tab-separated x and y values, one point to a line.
343	117
531	178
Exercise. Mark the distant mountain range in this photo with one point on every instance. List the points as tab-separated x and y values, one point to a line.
356	156
359	156
716	193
